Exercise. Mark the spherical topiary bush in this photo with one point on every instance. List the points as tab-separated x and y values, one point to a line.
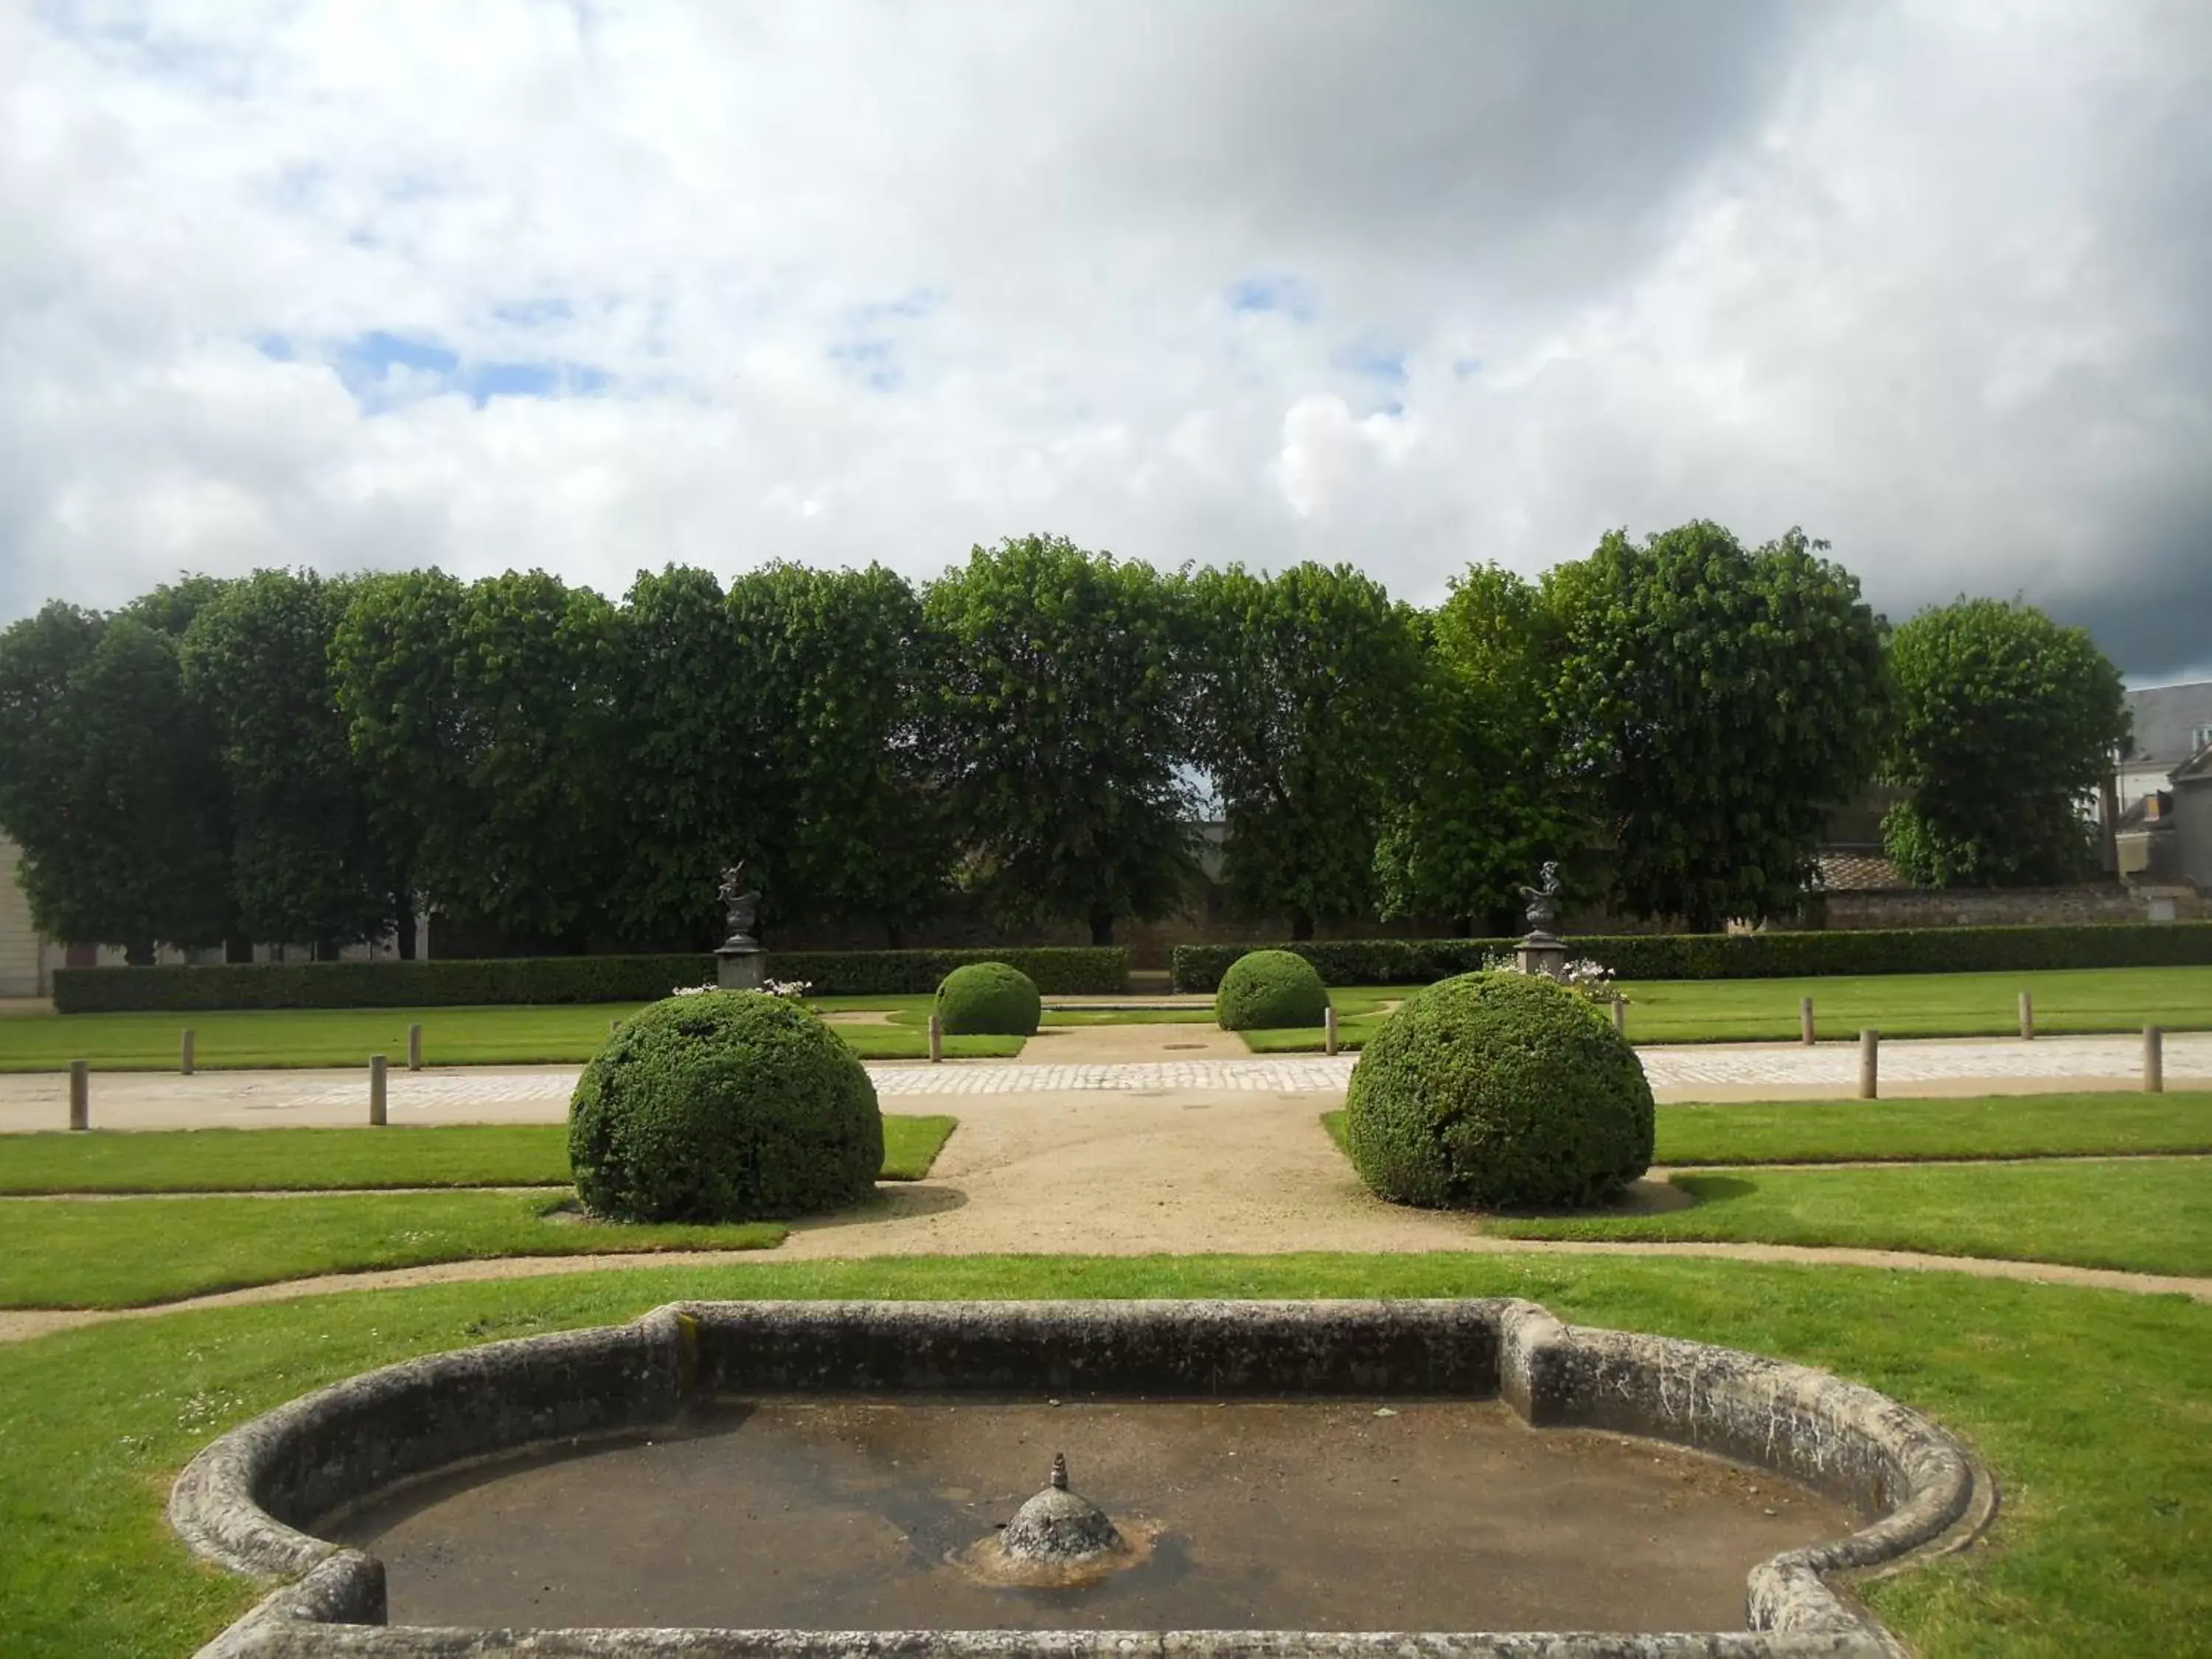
1270	991
989	999
723	1106
1498	1090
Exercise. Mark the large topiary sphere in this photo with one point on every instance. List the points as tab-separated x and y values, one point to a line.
989	999
1498	1090
1270	991
724	1106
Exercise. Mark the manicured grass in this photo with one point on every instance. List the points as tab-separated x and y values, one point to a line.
911	1144
253	1039
1976	1127
303	1160
1993	1126
2149	1216
127	1252
2089	1406
2086	999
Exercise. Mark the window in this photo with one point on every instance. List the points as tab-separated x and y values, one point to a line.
2198	738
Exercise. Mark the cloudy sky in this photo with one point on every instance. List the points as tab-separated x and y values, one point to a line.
605	285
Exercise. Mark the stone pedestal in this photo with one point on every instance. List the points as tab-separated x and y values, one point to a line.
1541	953
738	965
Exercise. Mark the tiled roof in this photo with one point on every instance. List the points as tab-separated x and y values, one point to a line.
1849	870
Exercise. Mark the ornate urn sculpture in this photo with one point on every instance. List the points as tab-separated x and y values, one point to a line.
1541	952
737	958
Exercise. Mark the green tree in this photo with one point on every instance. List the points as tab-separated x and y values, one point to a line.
109	779
692	761
1717	701
486	717
1301	693
1059	730
2005	725
305	863
853	826
1483	798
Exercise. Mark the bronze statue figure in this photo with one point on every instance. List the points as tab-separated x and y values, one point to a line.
1544	899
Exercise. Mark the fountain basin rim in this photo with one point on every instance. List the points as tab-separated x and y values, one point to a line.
250	1498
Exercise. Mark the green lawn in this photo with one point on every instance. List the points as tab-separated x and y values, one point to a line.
1993	1126
2087	999
1973	1127
250	1160
128	1252
2147	1215
567	1033
2089	1406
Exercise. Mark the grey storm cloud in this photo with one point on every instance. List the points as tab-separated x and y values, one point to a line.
598	287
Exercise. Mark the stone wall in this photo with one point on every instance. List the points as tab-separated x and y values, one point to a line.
2018	907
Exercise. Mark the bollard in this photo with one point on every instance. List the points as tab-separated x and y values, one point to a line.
2154	1061
1620	1013
1805	1021
185	1054
936	1039
79	1094
376	1090
414	1048
1869	1064
2027	1016
1328	1030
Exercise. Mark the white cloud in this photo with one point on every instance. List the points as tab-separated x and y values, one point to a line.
850	282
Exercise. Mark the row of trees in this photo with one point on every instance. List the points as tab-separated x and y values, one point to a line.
287	757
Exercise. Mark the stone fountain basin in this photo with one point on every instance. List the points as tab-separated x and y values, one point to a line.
245	1501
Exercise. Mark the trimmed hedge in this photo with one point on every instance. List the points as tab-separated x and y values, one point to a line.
1270	991
1056	971
725	1106
378	984
989	999
1746	955
1060	970
1495	1091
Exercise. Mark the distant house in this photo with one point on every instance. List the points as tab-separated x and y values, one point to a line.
2173	723
2191	816
28	958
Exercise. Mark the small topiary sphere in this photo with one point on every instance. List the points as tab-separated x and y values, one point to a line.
723	1106
989	999
1498	1090
1270	991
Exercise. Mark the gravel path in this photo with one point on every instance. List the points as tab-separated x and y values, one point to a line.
1100	1059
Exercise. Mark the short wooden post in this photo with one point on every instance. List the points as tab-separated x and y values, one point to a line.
1805	1021
185	1053
376	1090
414	1047
1620	1013
1869	1064
2154	1061
1328	1030
936	1039
2027	1016
79	1094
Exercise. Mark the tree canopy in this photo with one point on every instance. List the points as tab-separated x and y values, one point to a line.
110	780
1719	702
2006	723
1058	723
1302	693
307	864
1483	798
1034	737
